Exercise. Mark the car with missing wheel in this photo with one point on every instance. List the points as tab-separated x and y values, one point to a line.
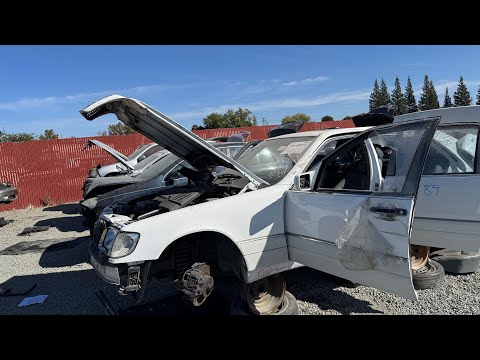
347	213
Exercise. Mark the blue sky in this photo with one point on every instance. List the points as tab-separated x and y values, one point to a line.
44	87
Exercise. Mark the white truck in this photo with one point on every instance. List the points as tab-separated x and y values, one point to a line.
282	205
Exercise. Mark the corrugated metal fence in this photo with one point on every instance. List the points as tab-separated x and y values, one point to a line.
52	171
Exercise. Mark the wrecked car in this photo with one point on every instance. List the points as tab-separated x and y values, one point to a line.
125	163
8	193
347	213
93	186
165	172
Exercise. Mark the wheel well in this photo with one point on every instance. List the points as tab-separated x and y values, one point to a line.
214	248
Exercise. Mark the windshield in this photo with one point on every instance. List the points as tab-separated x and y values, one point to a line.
272	159
138	151
158	167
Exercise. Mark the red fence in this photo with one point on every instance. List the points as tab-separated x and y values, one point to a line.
53	171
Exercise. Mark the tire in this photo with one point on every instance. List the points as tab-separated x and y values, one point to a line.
289	306
457	262
431	276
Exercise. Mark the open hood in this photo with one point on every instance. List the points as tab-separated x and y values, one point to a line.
117	155
165	132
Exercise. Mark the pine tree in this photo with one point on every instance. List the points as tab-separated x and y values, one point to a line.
399	102
478	96
410	97
422	103
374	96
383	95
433	99
448	100
461	97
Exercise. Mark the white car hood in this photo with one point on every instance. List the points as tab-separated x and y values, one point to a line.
164	131
117	155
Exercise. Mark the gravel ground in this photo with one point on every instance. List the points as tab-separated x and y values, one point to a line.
70	282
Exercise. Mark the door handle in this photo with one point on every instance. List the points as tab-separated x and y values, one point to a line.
388	211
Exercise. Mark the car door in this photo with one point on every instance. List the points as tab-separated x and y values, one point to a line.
447	213
354	221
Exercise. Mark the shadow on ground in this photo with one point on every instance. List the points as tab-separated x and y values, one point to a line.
57	255
68	209
64	224
321	289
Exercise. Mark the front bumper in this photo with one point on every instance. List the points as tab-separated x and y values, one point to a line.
8	194
129	278
108	272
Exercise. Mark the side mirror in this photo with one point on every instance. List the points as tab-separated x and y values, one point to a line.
141	158
303	182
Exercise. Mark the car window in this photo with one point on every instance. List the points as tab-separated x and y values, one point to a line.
394	148
453	151
326	149
151	151
234	150
272	159
137	151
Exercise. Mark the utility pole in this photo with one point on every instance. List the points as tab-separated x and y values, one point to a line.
264	122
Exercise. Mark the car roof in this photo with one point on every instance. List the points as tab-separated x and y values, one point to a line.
459	114
326	132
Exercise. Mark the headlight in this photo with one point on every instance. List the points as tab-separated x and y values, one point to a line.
123	244
108	238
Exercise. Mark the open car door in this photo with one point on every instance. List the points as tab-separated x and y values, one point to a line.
352	218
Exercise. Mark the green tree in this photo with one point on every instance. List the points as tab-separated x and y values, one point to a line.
462	97
429	97
215	121
197	127
448	100
433	96
296	117
48	134
239	118
478	96
327	118
117	129
399	102
18	137
348	117
410	97
373	102
383	95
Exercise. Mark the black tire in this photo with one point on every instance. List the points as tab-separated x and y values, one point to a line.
289	306
457	262
431	276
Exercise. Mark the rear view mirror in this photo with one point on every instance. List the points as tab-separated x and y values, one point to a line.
303	182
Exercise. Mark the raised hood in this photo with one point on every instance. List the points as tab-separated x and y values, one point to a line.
117	155
165	132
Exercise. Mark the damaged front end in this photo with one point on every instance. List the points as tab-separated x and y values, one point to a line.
110	242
